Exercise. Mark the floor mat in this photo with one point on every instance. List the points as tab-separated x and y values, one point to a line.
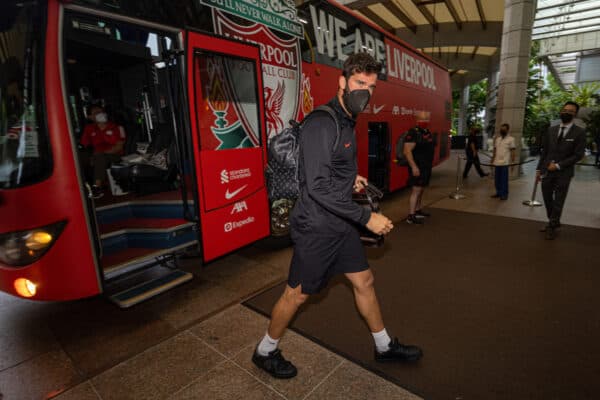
500	312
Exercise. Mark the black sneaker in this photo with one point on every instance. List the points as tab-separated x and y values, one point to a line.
545	228
550	233
97	192
412	219
421	213
399	352
277	366
495	196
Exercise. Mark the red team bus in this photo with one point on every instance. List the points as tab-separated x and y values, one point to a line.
195	88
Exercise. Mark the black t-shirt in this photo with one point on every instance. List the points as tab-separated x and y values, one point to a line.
424	149
471	139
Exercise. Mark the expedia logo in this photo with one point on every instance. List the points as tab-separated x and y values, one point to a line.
229	226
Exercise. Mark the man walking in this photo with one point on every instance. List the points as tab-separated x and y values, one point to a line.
324	222
504	154
418	150
562	147
472	156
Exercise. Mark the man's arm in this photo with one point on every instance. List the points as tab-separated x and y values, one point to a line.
317	139
578	152
408	149
543	151
119	143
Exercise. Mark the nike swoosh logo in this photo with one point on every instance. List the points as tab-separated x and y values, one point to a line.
231	195
377	109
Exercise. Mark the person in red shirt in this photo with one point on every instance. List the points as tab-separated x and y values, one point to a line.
106	139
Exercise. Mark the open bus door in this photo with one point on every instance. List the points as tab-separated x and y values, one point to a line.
228	134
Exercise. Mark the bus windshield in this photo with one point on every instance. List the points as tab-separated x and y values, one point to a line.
24	150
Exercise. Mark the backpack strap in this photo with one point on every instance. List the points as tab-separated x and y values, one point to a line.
333	115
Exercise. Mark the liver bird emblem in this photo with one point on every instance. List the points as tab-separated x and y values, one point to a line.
274	102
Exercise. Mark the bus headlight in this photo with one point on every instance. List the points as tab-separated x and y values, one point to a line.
25	288
24	247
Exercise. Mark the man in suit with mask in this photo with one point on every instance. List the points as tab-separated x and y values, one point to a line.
562	147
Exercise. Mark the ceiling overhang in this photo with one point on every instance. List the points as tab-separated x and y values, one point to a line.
456	33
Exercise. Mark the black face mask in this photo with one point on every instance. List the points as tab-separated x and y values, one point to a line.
566	117
356	100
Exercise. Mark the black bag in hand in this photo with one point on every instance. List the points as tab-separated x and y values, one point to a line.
370	200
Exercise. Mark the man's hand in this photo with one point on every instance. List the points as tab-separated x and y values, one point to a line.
538	176
552	167
416	171
379	224
360	183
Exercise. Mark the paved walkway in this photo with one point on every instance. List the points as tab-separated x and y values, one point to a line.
195	342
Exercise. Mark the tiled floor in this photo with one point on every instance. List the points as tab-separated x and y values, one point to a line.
195	341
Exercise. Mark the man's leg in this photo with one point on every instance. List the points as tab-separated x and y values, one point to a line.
548	194
100	162
503	182
267	356
497	181
478	167
419	205
415	196
284	310
467	167
386	349
561	189
366	299
414	204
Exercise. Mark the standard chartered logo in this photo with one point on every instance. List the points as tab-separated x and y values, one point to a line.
224	176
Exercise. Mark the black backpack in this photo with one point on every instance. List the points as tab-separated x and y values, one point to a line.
284	151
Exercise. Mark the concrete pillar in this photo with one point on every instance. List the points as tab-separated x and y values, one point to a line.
514	67
462	111
491	100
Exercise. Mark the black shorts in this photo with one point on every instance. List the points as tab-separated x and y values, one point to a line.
318	256
422	179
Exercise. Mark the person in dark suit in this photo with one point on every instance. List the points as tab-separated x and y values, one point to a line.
562	146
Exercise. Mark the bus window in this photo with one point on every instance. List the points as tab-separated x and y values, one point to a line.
24	149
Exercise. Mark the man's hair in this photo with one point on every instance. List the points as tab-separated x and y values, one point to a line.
475	130
95	105
360	62
573	104
506	125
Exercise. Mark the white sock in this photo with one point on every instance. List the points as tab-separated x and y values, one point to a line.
267	345
382	340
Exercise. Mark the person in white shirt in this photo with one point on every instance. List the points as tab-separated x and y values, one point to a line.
504	154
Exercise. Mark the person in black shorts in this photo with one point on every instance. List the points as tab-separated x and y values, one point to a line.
418	150
325	221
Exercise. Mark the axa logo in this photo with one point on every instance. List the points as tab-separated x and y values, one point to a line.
224	177
239	207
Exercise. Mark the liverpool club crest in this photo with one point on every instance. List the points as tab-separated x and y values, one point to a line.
281	68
